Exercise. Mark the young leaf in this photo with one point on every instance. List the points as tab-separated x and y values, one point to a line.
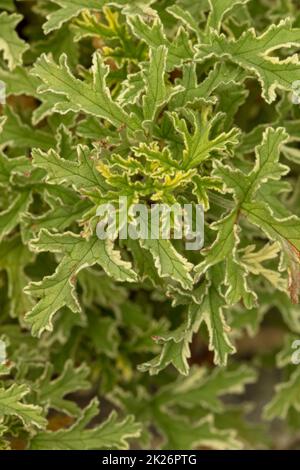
199	145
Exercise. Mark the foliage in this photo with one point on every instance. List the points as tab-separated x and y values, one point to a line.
171	102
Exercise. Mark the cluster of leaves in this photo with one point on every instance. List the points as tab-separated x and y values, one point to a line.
169	101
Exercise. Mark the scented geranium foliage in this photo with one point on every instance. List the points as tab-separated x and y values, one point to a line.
161	102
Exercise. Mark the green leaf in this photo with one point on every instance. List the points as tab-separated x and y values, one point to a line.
10	217
59	42
77	95
144	262
276	229
4	444
219	8
252	52
179	50
203	184
12	46
191	90
156	93
51	392
223	245
212	313
236	280
7	5
207	307
19	81
185	17
169	263
111	434
205	388
59	217
11	404
253	262
286	397
81	174
199	145
14	257
245	188
159	102
10	166
203	434
267	167
58	290
18	134
176	350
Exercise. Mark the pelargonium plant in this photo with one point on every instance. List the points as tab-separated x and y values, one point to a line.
167	102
